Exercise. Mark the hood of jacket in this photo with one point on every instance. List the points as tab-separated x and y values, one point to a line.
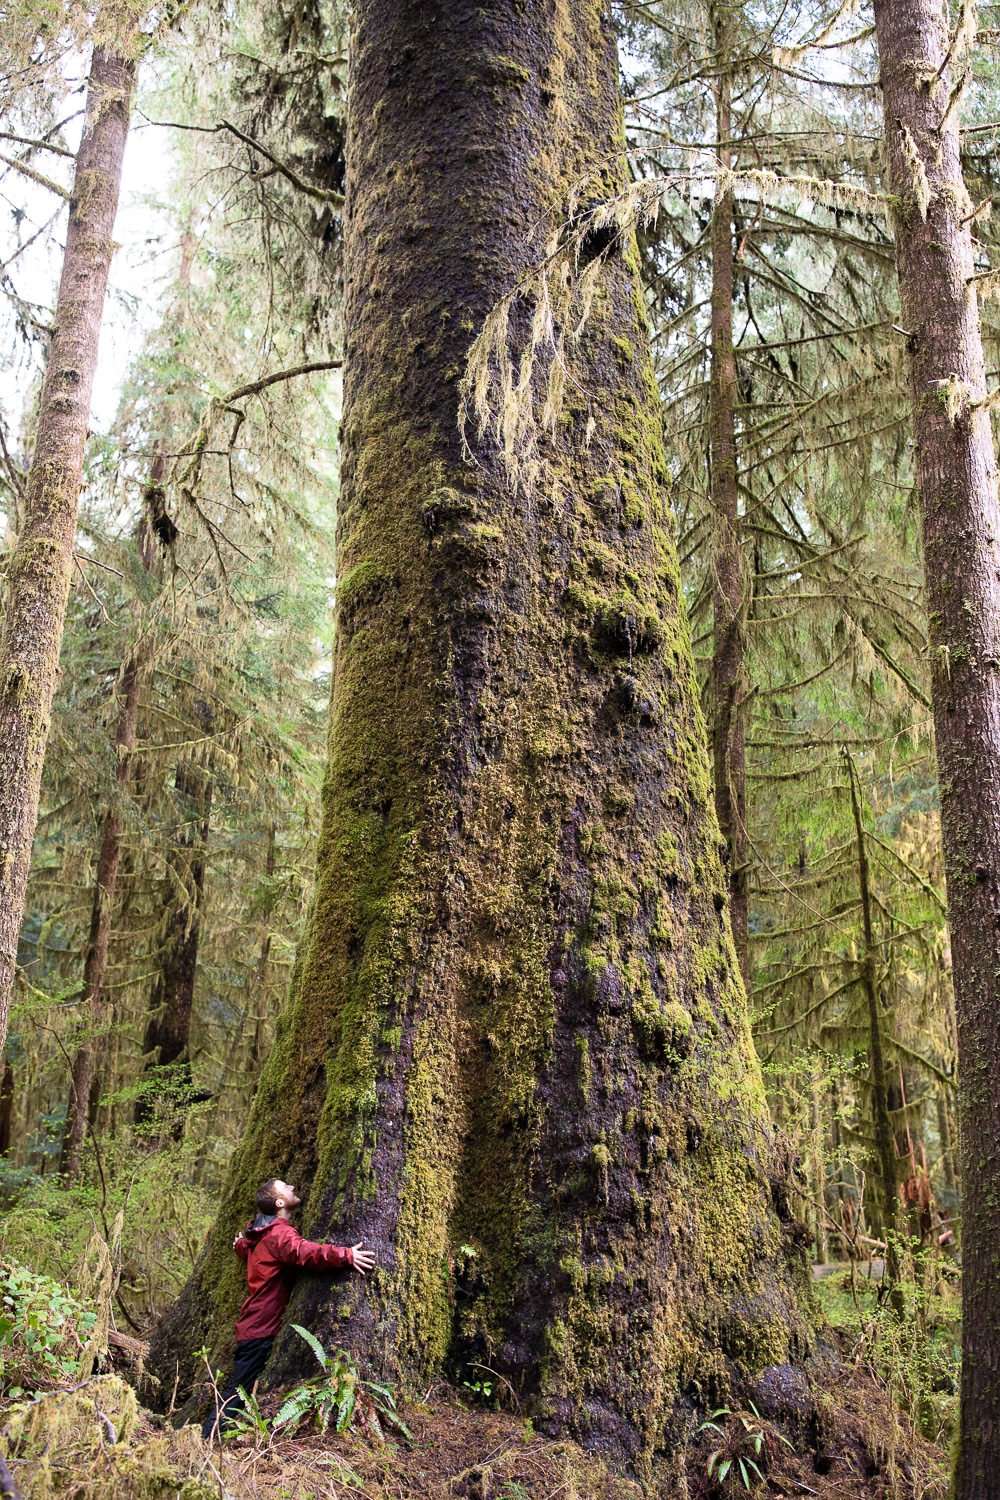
260	1225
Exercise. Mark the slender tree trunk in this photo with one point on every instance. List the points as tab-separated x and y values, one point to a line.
729	605
95	961
516	1058
39	570
6	1107
260	1017
957	480
818	1168
166	1043
885	1141
944	1133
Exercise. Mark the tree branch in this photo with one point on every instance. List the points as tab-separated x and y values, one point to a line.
323	195
36	176
255	386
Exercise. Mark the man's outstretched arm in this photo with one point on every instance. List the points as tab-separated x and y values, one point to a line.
293	1250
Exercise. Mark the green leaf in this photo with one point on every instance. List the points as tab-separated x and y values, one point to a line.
743	1473
345	1408
395	1420
314	1344
724	1469
294	1407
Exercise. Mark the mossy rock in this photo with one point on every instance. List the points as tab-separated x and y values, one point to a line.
84	1443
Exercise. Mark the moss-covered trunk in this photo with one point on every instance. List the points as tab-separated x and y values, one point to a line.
6	1107
38	573
884	1164
516	1057
960	517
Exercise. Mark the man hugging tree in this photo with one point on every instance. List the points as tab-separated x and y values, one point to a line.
274	1251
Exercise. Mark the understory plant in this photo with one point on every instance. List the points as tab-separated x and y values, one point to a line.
337	1398
746	1448
44	1331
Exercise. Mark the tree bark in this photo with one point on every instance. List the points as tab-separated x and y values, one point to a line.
957	480
39	569
516	1057
729	604
6	1107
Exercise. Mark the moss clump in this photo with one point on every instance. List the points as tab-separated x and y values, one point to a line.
626	626
86	1442
664	1030
361	585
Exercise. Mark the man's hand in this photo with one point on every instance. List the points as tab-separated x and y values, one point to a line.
364	1259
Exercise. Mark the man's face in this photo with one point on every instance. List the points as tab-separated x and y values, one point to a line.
285	1195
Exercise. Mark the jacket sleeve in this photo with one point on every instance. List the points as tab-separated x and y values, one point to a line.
292	1250
242	1246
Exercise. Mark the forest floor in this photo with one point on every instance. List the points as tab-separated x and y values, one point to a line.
463	1453
460	1452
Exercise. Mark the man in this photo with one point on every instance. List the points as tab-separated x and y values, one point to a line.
274	1252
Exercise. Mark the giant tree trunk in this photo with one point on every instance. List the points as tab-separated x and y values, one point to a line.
728	602
516	1058
957	480
38	573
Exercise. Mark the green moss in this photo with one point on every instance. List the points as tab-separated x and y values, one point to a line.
633	506
361	585
585	1070
627	626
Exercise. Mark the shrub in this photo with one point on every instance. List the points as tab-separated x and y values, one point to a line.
44	1330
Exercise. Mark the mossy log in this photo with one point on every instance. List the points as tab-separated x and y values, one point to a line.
516	1056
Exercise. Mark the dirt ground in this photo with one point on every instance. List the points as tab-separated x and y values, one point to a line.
858	1449
843	1441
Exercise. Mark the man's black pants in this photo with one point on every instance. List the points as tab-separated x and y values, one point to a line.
251	1357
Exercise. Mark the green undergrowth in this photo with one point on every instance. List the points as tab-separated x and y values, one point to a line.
166	1212
916	1358
44	1331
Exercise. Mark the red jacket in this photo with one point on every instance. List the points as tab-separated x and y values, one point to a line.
274	1251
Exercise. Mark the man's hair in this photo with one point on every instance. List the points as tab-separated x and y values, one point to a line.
265	1197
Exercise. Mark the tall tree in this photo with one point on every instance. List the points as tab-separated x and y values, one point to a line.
729	603
922	75
38	572
516	1056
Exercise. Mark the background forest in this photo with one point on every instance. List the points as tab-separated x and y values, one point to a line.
173	864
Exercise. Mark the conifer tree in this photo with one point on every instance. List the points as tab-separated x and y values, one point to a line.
516	1057
923	65
38	572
